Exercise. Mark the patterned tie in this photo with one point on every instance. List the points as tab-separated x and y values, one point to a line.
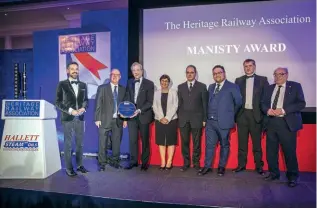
276	98
190	86
115	99
217	89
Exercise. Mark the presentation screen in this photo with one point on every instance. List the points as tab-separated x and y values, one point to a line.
274	33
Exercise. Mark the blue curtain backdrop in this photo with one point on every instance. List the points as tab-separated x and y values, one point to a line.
45	52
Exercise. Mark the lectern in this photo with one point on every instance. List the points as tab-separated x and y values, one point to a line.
29	145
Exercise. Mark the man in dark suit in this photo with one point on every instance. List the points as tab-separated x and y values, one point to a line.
282	103
249	118
140	91
72	100
109	96
224	102
192	107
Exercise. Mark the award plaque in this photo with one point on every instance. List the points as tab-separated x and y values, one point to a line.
126	109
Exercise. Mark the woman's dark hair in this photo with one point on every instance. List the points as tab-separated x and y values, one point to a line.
165	77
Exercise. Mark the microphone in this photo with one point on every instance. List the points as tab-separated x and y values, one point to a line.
40	93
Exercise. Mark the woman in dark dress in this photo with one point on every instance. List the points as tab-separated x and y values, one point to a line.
165	106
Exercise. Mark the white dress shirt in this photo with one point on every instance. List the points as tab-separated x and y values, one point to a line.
249	93
280	101
75	88
115	114
192	82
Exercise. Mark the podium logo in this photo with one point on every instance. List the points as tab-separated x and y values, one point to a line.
22	109
21	142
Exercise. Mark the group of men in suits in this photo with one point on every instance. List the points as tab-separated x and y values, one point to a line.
250	102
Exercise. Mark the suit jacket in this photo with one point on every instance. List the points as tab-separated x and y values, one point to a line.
172	105
104	105
294	102
66	98
192	107
259	83
144	100
229	103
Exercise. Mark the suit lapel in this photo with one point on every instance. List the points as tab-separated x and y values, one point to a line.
244	87
288	89
140	89
109	92
120	94
256	85
70	87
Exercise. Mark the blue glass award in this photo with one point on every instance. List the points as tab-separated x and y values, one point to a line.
126	109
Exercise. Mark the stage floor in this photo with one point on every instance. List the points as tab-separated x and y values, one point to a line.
246	189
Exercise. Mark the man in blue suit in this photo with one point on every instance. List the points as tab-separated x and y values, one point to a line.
282	103
224	102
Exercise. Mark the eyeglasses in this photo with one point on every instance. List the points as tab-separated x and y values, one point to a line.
219	73
279	74
190	72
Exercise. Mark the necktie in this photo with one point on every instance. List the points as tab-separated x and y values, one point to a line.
137	81
250	76
190	86
74	82
217	88
115	99
276	98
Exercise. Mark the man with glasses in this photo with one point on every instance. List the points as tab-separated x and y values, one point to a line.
250	116
107	120
192	107
282	103
224	102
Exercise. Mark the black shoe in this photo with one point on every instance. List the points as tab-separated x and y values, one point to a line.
161	168
102	168
204	171
221	171
292	183
71	173
82	169
238	169
144	167
184	168
271	177
169	168
260	171
130	166
197	167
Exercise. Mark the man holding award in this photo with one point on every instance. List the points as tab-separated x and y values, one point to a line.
72	100
109	96
140	92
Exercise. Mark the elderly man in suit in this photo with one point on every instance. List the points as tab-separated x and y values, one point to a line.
192	107
140	91
224	102
250	117
282	103
72	100
108	121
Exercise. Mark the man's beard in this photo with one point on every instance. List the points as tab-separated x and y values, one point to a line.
74	76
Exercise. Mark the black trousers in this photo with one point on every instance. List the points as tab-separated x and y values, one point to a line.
278	133
75	127
248	126
196	136
134	127
104	136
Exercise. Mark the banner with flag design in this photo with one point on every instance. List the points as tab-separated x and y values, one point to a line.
92	53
